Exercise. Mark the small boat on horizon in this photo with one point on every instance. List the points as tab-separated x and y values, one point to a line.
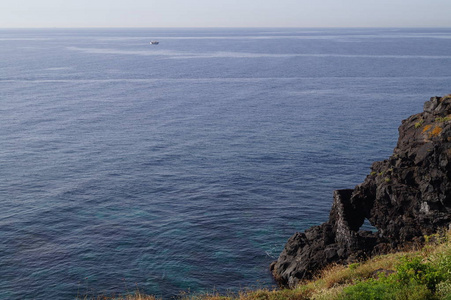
154	42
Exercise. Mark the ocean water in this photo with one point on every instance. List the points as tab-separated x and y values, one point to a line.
185	166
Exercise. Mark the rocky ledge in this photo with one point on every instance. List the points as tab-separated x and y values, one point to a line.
405	197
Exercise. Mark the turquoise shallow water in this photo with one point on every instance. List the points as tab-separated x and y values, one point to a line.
187	165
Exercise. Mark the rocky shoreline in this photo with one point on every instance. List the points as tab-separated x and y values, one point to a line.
404	197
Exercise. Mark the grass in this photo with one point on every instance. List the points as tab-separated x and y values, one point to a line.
409	275
136	296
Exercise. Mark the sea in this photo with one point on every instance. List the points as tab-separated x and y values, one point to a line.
184	167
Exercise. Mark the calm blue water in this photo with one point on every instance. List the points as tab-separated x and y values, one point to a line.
187	165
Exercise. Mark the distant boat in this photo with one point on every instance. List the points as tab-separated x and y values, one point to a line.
154	42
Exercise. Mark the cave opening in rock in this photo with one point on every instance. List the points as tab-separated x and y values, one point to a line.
368	226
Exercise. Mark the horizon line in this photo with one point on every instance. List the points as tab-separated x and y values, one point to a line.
233	27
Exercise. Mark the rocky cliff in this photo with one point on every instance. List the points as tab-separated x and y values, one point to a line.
405	197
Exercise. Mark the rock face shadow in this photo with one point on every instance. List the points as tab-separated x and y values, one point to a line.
403	198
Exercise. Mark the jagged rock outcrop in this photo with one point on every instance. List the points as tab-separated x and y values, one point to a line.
405	197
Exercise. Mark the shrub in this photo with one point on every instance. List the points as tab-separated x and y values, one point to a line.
414	279
369	290
442	263
386	289
444	290
413	270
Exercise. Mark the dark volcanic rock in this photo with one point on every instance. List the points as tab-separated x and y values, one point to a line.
405	197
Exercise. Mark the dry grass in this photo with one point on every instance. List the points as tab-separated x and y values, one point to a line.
136	296
301	293
343	275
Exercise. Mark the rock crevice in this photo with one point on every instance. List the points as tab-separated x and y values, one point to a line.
405	197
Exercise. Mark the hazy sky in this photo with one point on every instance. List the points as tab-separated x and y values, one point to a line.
225	13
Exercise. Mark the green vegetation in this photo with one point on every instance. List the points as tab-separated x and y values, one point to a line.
443	119
413	279
410	275
419	123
